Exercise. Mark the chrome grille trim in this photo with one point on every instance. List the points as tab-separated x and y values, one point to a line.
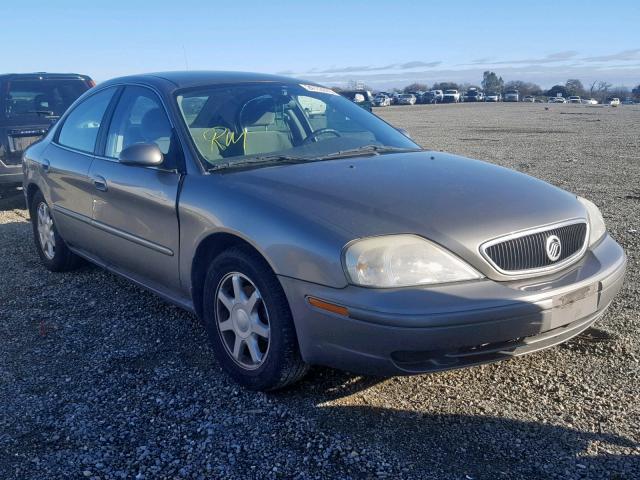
526	250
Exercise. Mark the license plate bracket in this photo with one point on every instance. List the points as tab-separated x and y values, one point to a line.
19	143
574	305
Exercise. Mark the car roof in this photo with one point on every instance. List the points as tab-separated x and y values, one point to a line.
187	79
43	75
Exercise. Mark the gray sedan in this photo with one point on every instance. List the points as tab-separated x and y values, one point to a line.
303	230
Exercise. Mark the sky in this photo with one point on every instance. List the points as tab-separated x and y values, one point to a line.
384	44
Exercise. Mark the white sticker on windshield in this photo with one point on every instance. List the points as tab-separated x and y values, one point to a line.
315	88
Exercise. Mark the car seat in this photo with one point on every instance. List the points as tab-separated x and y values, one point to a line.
258	120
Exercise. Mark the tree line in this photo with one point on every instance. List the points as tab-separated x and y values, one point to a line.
492	83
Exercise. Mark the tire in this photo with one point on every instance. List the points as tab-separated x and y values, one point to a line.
261	362
56	256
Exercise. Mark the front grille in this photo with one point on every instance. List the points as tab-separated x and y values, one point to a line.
527	251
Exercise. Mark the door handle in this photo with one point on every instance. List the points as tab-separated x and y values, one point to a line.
45	165
100	183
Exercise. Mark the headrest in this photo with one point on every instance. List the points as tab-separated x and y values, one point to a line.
258	112
154	124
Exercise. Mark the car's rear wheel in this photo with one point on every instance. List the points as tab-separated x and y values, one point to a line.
52	249
249	322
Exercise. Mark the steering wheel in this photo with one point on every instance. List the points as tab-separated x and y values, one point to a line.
319	132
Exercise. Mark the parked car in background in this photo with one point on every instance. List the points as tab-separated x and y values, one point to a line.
381	101
575	99
529	98
451	96
303	230
29	104
591	101
614	102
492	97
438	95
418	96
430	97
511	96
474	95
557	100
362	98
406	99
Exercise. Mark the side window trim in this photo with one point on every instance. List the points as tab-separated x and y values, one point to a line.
106	122
60	124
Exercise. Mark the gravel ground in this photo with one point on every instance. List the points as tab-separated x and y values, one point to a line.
99	379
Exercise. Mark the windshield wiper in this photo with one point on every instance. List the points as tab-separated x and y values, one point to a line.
367	150
289	159
259	160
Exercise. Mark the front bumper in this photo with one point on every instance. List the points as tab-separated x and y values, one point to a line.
417	330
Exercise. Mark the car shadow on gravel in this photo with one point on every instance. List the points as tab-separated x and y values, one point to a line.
12	201
483	447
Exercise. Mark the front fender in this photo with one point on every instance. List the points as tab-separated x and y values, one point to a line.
304	248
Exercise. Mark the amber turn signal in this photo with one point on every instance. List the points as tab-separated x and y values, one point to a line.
329	307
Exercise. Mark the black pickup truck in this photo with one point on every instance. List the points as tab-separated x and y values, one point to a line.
29	104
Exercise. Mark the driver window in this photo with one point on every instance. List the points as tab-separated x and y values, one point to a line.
138	118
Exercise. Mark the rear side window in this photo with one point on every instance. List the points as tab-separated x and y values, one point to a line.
39	98
80	128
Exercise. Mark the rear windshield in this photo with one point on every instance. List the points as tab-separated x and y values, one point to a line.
38	99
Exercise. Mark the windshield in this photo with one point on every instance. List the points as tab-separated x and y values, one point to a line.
451	91
33	99
239	123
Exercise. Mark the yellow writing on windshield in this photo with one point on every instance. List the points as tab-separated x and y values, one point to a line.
223	138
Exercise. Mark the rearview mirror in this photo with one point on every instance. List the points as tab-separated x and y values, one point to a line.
143	154
404	132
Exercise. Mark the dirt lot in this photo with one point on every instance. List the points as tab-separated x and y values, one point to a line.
99	379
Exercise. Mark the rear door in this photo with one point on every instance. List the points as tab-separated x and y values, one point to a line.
135	207
66	164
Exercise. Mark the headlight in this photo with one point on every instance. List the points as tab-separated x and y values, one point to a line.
596	222
402	261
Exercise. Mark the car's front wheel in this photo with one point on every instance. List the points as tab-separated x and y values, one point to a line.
52	249
249	322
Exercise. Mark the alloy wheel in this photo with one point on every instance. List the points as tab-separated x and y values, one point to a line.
242	320
45	231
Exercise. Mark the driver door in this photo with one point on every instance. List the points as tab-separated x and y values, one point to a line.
135	207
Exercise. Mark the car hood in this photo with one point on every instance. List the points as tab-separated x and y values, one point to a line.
454	201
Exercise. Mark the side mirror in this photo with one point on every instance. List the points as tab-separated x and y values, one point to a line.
404	132
143	154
